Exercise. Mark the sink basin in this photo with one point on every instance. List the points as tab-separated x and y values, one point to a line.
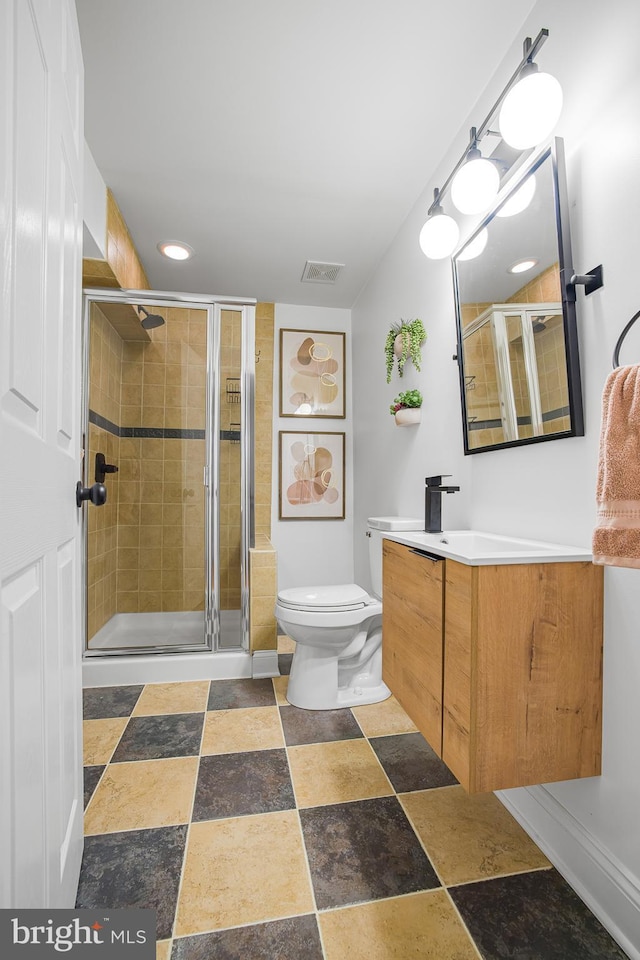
475	547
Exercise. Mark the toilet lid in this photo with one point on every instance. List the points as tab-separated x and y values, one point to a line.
342	596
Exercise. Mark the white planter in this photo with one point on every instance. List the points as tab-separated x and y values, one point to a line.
407	416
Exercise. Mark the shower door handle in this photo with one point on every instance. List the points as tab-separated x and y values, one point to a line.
97	494
102	468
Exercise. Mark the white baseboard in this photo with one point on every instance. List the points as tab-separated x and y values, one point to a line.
265	664
610	891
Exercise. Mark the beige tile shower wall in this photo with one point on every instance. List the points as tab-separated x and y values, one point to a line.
262	558
161	558
265	315
105	360
552	376
263	585
543	288
263	572
102	535
470	311
481	393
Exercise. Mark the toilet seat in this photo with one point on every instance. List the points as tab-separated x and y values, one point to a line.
334	598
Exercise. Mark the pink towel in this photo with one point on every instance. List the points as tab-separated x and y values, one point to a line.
616	538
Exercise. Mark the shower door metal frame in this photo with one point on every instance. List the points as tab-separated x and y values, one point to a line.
213	305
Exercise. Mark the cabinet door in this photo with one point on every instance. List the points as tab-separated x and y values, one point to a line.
412	616
522	674
537	674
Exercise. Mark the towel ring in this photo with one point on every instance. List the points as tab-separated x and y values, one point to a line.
616	352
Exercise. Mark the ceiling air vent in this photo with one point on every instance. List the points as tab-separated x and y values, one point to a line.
315	272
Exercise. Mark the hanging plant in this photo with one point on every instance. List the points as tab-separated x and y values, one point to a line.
403	342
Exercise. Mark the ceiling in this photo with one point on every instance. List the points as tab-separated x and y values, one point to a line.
265	133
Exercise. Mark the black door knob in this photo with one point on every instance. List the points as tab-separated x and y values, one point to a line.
97	494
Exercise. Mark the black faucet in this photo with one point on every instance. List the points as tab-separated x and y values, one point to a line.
433	503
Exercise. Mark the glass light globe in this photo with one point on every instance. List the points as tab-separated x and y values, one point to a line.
530	110
439	236
475	248
475	185
520	199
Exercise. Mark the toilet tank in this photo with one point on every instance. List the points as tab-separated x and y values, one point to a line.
376	527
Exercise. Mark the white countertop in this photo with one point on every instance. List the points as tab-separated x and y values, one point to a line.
477	548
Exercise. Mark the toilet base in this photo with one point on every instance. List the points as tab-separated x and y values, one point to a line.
320	681
346	697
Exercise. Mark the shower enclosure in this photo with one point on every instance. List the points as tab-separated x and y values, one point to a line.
169	384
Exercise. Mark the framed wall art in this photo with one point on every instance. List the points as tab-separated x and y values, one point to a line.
311	475
312	376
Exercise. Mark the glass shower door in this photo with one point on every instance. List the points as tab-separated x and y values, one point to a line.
147	561
230	405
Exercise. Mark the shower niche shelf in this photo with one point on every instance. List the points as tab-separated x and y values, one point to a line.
233	390
233	434
125	321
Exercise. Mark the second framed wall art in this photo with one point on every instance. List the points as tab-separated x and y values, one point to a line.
312	475
312	374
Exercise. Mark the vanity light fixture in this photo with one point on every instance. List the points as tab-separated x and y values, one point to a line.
521	266
476	184
520	199
474	181
439	236
531	108
475	248
175	250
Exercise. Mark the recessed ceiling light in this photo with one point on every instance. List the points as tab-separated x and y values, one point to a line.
175	250
521	265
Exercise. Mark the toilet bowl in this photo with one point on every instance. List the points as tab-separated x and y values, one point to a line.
338	633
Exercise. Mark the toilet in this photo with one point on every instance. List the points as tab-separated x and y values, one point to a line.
338	633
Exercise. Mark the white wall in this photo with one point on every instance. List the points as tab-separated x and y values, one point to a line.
313	551
94	209
589	827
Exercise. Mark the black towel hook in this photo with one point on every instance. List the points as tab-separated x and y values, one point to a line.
616	352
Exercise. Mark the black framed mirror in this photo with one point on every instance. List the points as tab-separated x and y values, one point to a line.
516	320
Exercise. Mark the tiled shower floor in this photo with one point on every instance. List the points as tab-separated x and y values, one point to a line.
262	832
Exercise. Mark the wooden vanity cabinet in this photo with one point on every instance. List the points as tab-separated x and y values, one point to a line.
507	656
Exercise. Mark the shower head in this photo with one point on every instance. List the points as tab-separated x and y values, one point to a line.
539	324
150	320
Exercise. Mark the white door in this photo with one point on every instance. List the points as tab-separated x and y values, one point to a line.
41	145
